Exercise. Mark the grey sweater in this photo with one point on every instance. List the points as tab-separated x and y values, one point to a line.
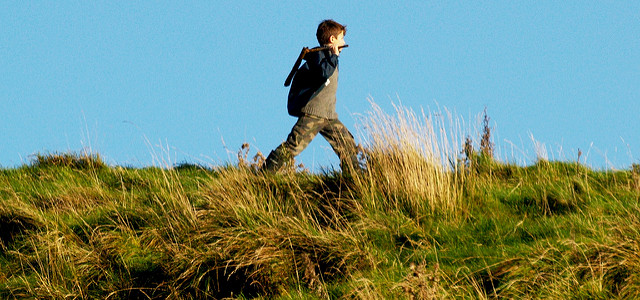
323	104
313	90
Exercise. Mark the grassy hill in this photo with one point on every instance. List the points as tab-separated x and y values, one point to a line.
411	226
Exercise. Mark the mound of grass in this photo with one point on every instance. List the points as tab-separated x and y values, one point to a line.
14	223
70	160
425	219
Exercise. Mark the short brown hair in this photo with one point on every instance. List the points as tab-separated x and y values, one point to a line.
327	29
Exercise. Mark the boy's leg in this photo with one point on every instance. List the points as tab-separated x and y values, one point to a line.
342	143
305	129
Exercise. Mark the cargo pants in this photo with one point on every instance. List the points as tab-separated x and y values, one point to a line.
303	132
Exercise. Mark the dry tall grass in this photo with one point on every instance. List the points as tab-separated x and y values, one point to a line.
251	228
412	161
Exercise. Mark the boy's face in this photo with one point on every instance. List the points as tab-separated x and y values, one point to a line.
338	40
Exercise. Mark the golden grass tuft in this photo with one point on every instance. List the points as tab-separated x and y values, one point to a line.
412	161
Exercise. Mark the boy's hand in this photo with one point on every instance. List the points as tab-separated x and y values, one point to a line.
336	49
336	42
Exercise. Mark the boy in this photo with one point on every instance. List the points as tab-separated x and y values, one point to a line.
312	98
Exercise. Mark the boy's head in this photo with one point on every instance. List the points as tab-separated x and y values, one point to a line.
328	29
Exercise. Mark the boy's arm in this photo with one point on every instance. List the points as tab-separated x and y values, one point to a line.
322	63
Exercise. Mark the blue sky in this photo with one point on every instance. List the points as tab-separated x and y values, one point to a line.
142	82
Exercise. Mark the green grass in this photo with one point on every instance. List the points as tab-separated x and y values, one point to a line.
407	227
553	229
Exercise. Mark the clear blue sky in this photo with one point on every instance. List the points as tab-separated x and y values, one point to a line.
142	81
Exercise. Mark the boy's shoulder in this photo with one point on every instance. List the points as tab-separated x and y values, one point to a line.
319	55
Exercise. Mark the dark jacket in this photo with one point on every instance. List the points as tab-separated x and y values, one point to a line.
310	79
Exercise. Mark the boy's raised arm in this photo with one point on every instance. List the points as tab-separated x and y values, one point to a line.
322	64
